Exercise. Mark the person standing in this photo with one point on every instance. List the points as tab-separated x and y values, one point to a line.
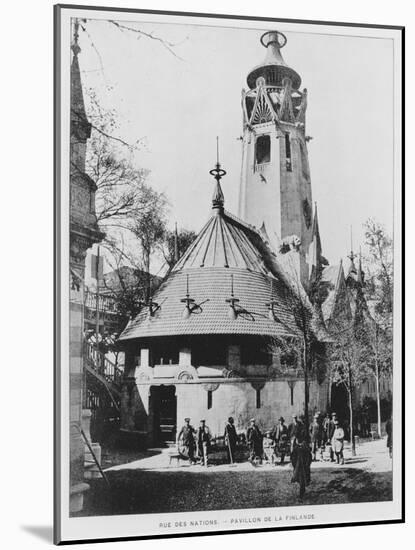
326	423
337	442
330	432
231	439
295	429
203	442
301	461
268	445
316	436
186	441
254	440
281	439
388	428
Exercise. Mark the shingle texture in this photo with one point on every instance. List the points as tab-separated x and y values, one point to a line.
225	247
210	287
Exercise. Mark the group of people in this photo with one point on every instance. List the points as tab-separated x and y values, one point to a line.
195	443
324	433
282	440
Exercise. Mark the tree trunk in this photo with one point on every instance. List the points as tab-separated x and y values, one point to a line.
329	394
147	275
378	400
306	390
350	392
377	384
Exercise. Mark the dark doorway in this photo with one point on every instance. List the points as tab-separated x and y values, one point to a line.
340	402
163	404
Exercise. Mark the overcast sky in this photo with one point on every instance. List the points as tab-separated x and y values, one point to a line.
181	105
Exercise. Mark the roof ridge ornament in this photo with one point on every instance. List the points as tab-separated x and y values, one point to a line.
275	37
218	199
272	303
232	301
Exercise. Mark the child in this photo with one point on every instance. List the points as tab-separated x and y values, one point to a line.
338	442
269	448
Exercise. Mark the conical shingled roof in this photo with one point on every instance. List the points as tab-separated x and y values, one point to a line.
223	242
227	252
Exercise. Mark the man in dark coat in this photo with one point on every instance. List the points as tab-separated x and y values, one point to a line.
203	442
301	461
280	436
295	429
231	439
388	428
254	440
186	441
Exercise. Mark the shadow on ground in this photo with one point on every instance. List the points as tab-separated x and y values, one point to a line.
141	491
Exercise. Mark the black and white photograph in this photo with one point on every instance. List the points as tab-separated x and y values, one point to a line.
228	203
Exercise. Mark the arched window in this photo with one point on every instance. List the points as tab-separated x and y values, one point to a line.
263	149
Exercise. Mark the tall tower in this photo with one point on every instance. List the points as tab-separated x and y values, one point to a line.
275	186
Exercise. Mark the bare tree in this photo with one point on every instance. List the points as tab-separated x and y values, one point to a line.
175	244
379	292
349	363
149	227
305	344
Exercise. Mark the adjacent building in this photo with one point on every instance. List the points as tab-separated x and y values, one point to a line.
84	232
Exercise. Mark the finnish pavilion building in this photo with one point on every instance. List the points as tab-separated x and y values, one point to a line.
211	343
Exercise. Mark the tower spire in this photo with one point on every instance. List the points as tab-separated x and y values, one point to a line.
359	268
316	263
352	255
75	43
218	199
80	126
273	69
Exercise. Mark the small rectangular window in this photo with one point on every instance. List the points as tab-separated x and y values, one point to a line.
209	399
263	150
292	394
258	399
288	163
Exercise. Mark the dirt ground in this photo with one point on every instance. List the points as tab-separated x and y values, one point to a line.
149	484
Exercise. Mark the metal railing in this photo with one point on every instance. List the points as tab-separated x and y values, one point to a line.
106	304
102	365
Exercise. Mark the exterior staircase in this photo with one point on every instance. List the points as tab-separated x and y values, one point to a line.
103	389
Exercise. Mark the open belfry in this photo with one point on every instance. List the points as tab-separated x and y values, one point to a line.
217	338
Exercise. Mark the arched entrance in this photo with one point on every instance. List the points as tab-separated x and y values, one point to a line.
163	409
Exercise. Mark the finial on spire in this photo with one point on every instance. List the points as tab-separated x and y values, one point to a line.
75	44
273	37
218	199
352	255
